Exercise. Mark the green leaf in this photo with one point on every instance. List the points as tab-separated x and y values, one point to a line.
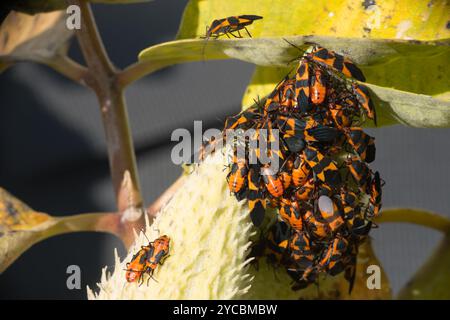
38	38
21	226
415	216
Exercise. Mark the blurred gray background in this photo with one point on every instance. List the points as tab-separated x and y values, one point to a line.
53	155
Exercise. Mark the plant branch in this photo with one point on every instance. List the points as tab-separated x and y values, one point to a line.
416	216
103	81
69	68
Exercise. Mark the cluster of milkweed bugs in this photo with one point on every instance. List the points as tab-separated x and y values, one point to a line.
147	259
324	178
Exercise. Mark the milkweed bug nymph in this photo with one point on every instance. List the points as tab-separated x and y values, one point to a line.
147	259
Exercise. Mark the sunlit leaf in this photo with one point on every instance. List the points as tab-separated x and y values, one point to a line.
37	37
21	227
395	19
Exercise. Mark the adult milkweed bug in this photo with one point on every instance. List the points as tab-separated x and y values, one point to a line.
362	143
324	168
302	86
360	172
337	62
229	25
305	271
331	260
340	116
256	200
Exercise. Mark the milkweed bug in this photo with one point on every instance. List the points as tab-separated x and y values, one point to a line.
137	266
229	25
237	177
158	251
362	95
256	200
273	183
332	260
290	212
147	259
323	167
300	172
330	212
318	229
362	143
375	196
305	191
340	116
302	86
337	62
318	87
305	271
360	172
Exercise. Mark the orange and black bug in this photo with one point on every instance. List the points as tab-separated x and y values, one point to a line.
290	212
317	228
255	197
302	254
324	168
237	177
316	132
362	143
332	259
340	116
158	251
137	266
229	25
337	62
362	95
300	172
282	98
292	132
375	196
245	119
330	212
305	191
302	86
318	88
274	244
272	182
360	172
147	259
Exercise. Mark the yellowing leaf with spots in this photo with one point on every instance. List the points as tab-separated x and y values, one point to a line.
21	226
